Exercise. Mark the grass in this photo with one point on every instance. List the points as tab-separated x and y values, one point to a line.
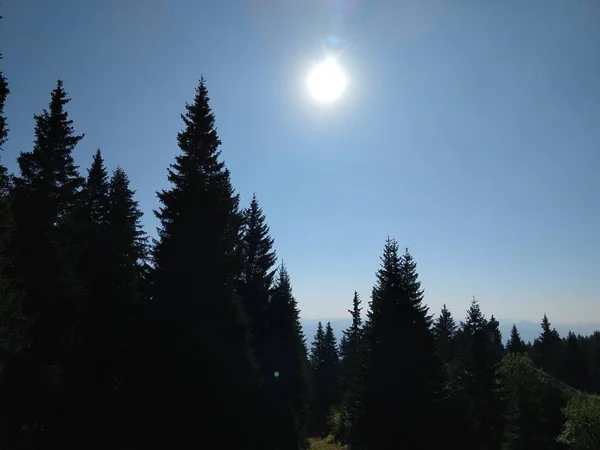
324	444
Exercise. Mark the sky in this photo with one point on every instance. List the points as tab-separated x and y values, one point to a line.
469	131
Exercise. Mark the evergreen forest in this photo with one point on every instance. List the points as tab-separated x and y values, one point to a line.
111	339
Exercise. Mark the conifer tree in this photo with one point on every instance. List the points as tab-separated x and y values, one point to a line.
11	318
127	256
93	362
208	377
325	377
257	276
515	344
478	377
444	331
574	367
45	258
287	366
410	281
548	348
352	363
4	91
350	343
401	396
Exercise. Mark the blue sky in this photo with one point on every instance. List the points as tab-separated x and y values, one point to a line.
470	131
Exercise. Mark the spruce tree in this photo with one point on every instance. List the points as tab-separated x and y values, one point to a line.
548	348
412	285
45	257
12	321
515	344
257	276
350	343
325	378
352	365
574	367
93	362
478	378
126	256
287	367
444	331
207	376
403	378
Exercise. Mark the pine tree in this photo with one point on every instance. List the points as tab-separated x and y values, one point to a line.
478	377
548	348
45	258
287	366
403	377
444	331
257	276
325	378
574	367
350	343
515	344
93	364
126	256
410	280
497	344
12	321
208	377
4	92
352	365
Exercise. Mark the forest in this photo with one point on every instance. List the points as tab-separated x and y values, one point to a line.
112	339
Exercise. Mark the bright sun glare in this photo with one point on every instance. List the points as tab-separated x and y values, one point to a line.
326	82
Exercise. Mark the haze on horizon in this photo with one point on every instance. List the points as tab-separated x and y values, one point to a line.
469	131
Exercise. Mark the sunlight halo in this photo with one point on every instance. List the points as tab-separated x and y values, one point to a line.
326	82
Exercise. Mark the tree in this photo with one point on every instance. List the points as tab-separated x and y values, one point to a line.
93	364
399	401
4	92
412	285
350	343
444	331
12	320
257	277
574	367
352	363
287	367
478	377
582	428
325	377
533	405
45	258
515	344
200	333
548	348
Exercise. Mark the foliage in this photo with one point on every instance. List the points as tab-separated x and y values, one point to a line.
582	427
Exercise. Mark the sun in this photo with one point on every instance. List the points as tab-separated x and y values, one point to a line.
326	82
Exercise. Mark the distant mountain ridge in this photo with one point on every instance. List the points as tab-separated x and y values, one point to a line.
527	329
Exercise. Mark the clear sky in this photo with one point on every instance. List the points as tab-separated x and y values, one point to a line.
469	131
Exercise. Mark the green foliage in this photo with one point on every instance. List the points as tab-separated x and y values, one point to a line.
533	403
582	426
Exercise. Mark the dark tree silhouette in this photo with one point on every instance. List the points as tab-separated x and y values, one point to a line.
201	335
287	366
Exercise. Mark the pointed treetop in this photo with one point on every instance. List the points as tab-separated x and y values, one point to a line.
475	319
257	246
